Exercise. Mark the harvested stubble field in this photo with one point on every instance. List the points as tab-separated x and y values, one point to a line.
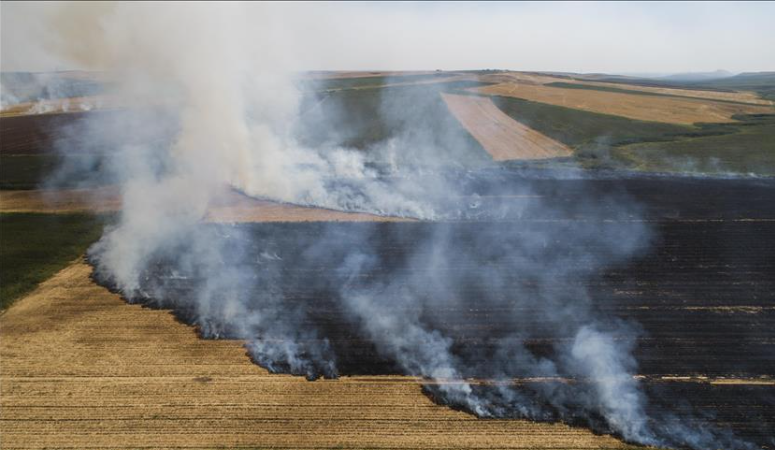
528	78
83	369
640	107
503	137
737	96
703	293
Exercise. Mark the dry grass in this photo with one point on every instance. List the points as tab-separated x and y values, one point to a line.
634	106
503	137
83	369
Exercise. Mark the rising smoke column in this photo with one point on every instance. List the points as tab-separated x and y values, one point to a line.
219	96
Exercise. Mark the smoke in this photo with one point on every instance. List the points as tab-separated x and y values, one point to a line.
220	108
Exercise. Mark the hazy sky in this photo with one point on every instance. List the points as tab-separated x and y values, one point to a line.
575	36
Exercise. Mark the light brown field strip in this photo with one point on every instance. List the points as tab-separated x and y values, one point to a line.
744	97
503	137
229	207
82	369
60	201
540	79
639	107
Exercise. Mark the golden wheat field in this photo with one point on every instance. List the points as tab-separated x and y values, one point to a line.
503	137
737	96
583	80
639	107
83	369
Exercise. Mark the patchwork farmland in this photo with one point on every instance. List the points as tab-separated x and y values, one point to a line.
82	368
667	109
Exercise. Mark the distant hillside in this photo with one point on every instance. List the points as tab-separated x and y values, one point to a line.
697	76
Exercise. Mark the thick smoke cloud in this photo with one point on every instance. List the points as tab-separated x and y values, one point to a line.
220	110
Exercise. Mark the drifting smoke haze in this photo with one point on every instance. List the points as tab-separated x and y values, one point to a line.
221	110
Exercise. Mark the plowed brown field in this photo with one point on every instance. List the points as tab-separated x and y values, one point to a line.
639	107
83	369
503	137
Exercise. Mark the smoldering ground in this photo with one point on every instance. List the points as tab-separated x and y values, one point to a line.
222	109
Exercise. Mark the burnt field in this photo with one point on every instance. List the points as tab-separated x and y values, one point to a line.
696	288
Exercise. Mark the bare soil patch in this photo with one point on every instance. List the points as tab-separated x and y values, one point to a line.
503	137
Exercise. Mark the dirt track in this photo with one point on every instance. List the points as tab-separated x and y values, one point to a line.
640	107
503	137
83	369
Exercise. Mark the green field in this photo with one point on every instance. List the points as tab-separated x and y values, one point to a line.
34	171
612	142
33	247
26	171
750	149
415	117
327	84
367	114
411	124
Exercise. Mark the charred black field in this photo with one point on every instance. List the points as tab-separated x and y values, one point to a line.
695	293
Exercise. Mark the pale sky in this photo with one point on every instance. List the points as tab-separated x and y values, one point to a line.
612	37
